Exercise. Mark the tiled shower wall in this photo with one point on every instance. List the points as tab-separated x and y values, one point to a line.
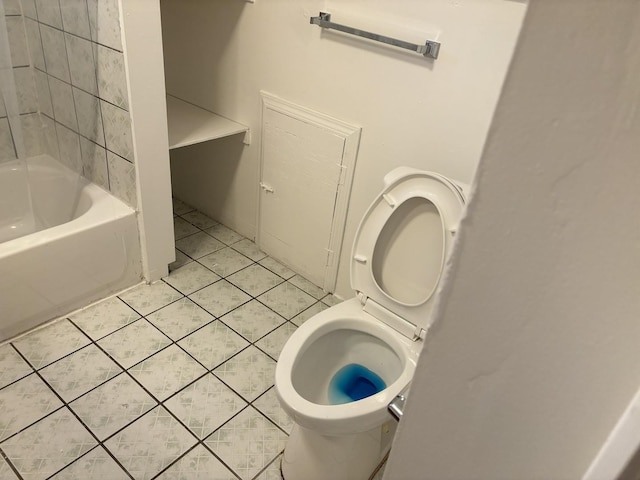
75	79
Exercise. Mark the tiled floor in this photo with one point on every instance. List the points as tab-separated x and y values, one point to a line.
172	380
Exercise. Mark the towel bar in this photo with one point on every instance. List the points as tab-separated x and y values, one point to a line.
430	49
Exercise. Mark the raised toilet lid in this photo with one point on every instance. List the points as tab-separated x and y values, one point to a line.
401	246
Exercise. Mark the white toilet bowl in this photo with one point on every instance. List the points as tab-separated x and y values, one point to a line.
338	372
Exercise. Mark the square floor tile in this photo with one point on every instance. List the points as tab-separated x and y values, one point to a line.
213	344
95	465
287	300
331	300
249	249
272	344
79	372
205	405
255	280
226	261
191	277
269	405
24	402
277	267
182	228
308	287
48	344
273	471
104	318
167	371
180	207
198	245
247	443
252	320
180	318
308	313
149	298
6	473
199	219
220	298
181	259
198	464
49	445
112	405
134	342
12	366
224	234
249	373
150	444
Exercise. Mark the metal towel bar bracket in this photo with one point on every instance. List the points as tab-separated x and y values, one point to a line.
430	49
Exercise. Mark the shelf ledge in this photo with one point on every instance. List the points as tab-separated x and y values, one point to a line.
189	124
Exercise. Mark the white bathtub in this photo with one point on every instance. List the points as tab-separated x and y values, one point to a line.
86	248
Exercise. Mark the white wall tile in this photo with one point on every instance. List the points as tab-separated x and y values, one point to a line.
104	18
6	144
94	161
122	179
12	7
117	130
43	93
81	65
89	117
26	90
63	106
69	142
35	43
29	8
32	133
17	41
49	137
112	82
75	17
49	12
55	53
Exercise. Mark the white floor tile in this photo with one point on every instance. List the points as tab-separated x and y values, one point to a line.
6	473
308	287
252	320
205	405
49	344
247	443
308	313
166	372
331	300
180	318
199	219
79	372
95	465
272	344
134	342
150	444
24	402
182	228
12	366
49	445
273	471
287	300
220	298
149	298
198	464
198	245
249	373
181	259
224	234
255	280
104	318
180	207
226	261
249	249
113	405
269	405
191	277
213	344
277	267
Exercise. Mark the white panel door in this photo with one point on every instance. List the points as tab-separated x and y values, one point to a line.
307	163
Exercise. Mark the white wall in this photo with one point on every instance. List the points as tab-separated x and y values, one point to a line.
534	354
425	114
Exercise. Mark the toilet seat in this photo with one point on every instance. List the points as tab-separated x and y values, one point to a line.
387	266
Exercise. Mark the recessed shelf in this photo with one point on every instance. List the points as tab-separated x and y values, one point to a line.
189	124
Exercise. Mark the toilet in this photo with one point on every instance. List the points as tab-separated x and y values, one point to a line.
340	369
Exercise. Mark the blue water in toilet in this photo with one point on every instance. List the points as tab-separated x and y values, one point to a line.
354	382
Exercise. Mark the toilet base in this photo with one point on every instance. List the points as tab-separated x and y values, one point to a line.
310	456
